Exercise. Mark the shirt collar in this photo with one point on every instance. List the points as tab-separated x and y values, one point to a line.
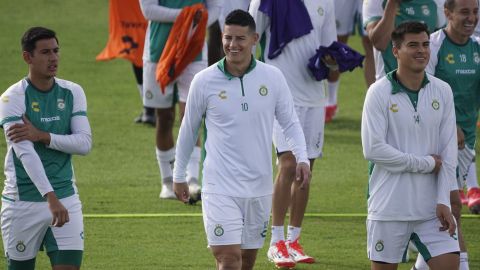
221	66
398	87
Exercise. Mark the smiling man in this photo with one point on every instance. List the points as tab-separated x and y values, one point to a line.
45	122
239	98
409	135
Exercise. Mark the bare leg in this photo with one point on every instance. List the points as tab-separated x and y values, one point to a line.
228	257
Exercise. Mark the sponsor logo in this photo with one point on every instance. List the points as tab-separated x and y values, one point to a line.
222	94
218	231
435	105
263	91
60	104
465	71
394	108
379	246
450	59
81	235
263	234
20	246
35	106
49	119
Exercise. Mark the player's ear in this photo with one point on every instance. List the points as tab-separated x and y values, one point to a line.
395	51
27	57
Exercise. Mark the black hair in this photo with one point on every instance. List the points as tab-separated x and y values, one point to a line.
32	35
450	4
409	27
242	18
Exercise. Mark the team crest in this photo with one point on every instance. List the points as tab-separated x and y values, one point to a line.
20	246
218	231
149	94
476	58
394	108
450	59
320	11
35	106
425	10
60	104
263	91
5	99
435	105
379	246
222	94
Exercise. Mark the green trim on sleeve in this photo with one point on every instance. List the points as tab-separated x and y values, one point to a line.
371	20
9	119
82	113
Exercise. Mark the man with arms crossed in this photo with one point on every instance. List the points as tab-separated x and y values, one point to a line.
455	58
45	122
409	134
240	97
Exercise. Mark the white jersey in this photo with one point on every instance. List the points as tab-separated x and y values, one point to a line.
400	140
293	60
239	115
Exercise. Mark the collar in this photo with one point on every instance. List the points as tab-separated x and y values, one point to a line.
398	87
221	66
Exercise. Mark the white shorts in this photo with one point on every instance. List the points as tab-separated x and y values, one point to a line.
466	157
26	227
233	221
387	241
312	120
153	96
348	15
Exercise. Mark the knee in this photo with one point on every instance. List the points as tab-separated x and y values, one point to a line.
288	165
165	118
228	260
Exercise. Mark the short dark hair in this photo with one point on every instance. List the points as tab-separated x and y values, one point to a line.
242	18
450	4
409	27
32	35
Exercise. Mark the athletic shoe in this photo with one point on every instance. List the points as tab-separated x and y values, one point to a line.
278	254
463	198
330	112
167	192
145	118
195	192
295	250
473	196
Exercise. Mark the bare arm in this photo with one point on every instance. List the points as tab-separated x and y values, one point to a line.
379	32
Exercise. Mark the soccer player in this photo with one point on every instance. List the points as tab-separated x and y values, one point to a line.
348	14
45	122
380	17
309	99
455	58
239	97
409	136
160	16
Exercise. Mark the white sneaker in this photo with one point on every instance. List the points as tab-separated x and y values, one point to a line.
295	250
167	192
278	254
195	192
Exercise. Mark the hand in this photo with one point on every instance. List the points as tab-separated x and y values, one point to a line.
59	212
438	163
329	60
27	131
460	138
446	218
181	191
303	174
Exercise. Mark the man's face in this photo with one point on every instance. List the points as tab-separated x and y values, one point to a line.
43	61
464	17
237	43
414	52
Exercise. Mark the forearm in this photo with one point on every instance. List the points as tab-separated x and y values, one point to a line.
379	32
79	142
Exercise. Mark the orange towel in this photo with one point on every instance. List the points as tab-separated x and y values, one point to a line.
127	28
184	43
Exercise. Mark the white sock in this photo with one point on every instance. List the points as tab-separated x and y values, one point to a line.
420	264
278	234
472	180
165	163
193	166
293	233
463	261
332	93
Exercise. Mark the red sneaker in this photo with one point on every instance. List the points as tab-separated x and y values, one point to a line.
330	112
473	196
278	254
296	252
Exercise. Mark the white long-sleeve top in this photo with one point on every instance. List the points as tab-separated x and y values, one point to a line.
34	169
239	115
400	140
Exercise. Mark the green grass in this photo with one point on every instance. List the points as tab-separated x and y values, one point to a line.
121	175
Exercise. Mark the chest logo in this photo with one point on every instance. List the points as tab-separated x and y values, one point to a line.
60	104
263	91
435	105
425	10
222	94
394	108
320	11
450	59
476	58
35	106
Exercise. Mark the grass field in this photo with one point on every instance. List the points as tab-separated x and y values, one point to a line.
120	175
